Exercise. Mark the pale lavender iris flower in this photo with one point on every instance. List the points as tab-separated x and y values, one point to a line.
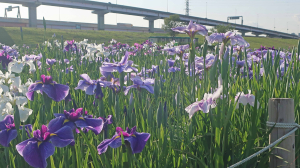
192	29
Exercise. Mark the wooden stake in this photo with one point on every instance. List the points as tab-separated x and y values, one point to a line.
282	111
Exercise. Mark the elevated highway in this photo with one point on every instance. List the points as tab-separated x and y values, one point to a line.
101	8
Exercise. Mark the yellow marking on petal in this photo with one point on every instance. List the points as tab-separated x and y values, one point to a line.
39	82
39	143
120	136
52	84
227	36
53	134
117	137
66	120
81	118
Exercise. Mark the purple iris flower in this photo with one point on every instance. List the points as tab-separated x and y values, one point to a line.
153	69
106	121
140	83
173	69
171	62
68	98
192	29
88	85
136	140
71	45
115	85
179	50
66	61
5	59
50	61
36	150
208	101
69	69
8	131
74	119
106	75
225	37
123	65
39	64
33	57
98	91
56	92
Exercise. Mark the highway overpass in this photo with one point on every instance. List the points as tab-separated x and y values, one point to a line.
51	24
101	9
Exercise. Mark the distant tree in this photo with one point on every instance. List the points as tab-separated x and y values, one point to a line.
171	22
294	34
222	28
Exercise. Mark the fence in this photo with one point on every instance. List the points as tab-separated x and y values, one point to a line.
281	120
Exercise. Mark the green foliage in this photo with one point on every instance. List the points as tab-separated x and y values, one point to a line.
218	139
171	22
33	36
222	28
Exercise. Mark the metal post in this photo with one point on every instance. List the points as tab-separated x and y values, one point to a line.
282	111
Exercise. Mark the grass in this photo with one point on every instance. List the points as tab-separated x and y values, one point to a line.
217	139
12	35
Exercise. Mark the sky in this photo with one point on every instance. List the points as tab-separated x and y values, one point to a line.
284	15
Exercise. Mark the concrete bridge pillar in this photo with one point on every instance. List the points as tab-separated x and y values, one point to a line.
32	14
151	23
256	34
243	33
100	18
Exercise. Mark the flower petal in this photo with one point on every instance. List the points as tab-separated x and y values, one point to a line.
56	92
56	124
138	142
36	155
63	137
7	135
94	124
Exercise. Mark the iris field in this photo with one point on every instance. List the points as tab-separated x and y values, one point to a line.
82	104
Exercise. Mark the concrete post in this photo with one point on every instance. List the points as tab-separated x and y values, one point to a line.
32	15
151	26
243	33
256	34
100	18
151	23
101	25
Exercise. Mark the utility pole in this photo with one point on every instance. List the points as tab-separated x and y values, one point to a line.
235	15
187	7
274	24
257	20
206	10
167	5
